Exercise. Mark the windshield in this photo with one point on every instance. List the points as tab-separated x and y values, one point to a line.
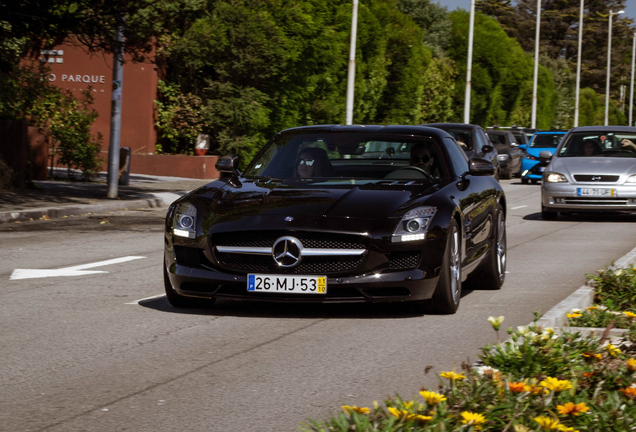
349	155
520	138
546	140
599	144
497	138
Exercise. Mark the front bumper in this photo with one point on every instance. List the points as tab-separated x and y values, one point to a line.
532	170
408	285
565	197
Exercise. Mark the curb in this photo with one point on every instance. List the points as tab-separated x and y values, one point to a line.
156	200
582	298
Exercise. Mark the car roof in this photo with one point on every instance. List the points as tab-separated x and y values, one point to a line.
551	133
389	129
604	129
453	125
499	132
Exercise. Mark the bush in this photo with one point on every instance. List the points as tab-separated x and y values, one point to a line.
6	176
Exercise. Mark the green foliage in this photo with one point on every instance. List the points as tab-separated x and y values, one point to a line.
179	119
25	95
615	289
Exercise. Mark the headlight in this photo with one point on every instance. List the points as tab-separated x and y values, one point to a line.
503	157
530	157
555	178
184	223
631	179
414	225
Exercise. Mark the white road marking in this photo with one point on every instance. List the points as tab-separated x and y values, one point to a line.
79	270
136	302
518	207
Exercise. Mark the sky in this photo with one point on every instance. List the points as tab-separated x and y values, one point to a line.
630	10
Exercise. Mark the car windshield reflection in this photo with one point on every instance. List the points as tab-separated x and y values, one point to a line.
599	144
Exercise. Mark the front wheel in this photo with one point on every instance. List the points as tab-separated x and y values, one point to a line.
524	180
449	288
492	273
180	301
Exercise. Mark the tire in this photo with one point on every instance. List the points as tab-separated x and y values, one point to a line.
180	301
524	180
491	274
508	175
534	181
548	215
448	293
498	174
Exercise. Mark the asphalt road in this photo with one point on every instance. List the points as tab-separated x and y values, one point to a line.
82	353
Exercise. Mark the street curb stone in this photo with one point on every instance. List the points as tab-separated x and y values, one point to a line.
79	209
581	298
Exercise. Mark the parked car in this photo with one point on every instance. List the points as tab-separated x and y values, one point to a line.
309	220
533	166
509	154
521	137
592	169
473	141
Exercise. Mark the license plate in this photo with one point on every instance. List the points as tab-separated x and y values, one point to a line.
287	284
596	192
541	169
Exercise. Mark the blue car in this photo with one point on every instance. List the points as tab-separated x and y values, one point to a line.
532	166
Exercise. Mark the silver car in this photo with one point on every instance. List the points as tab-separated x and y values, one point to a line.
592	169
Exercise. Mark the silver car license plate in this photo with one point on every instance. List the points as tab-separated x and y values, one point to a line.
596	192
283	284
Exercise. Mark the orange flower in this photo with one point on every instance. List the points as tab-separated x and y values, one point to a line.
588	374
631	364
572	409
629	392
592	355
359	410
517	387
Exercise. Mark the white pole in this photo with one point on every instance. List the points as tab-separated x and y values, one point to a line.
631	86
469	62
351	75
578	67
536	66
609	59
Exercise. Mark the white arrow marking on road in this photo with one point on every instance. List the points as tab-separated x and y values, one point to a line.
68	271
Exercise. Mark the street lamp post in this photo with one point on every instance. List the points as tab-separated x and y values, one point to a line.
536	67
578	67
469	62
631	86
351	73
609	59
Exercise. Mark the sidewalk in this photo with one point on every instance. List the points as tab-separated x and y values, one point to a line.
58	198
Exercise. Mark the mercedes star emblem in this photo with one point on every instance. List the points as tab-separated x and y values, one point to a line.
287	251
596	178
289	218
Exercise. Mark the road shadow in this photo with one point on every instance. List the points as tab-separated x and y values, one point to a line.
254	309
587	217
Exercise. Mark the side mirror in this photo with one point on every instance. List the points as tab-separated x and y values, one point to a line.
487	149
514	144
480	167
227	165
545	154
523	147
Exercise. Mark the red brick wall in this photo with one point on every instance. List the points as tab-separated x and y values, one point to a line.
75	70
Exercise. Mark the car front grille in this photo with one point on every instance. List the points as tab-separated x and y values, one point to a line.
250	262
595	201
596	178
404	260
308	239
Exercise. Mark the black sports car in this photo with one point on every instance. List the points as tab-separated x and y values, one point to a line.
341	214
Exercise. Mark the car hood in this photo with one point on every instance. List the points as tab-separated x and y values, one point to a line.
593	165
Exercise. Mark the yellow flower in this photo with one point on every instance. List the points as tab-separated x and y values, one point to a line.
592	308
361	410
517	387
555	384
631	364
520	428
548	423
592	355
432	398
496	322
630	314
612	350
419	417
574	315
407	404
397	413
473	419
452	376
571	408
